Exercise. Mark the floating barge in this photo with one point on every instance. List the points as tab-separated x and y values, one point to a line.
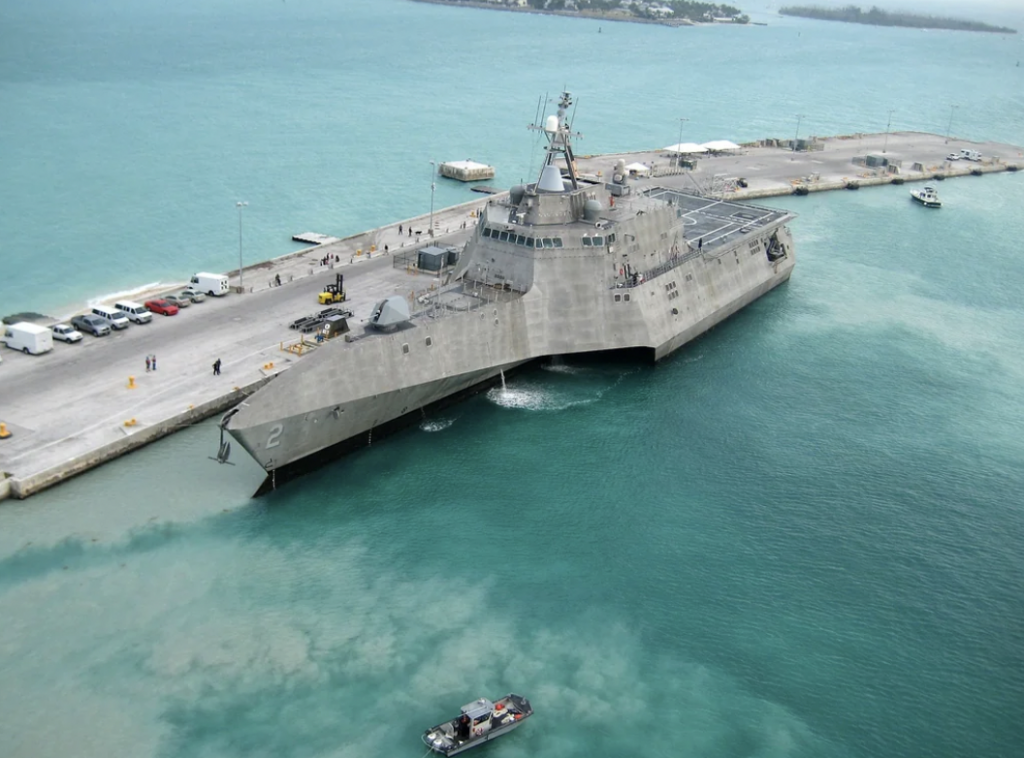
466	171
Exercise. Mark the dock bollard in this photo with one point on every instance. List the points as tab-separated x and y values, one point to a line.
130	422
4	431
131	382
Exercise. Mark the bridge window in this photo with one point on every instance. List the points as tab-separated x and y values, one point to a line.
586	242
557	241
598	241
503	237
548	242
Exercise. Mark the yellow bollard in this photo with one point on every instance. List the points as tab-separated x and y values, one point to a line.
131	382
359	251
130	422
4	431
373	248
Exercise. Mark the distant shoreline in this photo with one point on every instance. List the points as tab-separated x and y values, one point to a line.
592	15
877	17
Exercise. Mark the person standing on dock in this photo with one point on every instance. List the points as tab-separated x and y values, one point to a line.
153	360
216	367
147	363
399	229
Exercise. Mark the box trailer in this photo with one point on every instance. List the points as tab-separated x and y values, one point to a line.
214	285
28	338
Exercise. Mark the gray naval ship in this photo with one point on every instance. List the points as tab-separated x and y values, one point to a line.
559	267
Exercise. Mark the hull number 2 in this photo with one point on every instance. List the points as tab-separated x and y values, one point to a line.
275	435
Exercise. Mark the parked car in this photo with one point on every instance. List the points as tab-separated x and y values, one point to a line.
163	307
178	300
114	317
94	325
194	295
952	157
65	333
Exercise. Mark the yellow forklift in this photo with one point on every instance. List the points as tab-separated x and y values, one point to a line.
333	293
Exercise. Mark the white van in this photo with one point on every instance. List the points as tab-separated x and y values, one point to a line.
28	338
971	155
140	314
112	316
215	285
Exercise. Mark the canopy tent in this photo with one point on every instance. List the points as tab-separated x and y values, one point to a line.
686	147
640	169
720	146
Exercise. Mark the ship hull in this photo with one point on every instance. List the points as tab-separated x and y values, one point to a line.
364	437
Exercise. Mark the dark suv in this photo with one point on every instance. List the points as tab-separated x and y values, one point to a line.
94	325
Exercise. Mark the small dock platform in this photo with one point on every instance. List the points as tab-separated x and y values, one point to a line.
314	238
466	171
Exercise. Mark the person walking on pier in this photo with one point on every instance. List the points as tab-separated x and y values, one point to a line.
216	367
148	363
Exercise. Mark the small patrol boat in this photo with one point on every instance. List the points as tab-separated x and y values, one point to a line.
927	197
478	722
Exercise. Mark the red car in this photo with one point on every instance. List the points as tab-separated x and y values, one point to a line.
162	306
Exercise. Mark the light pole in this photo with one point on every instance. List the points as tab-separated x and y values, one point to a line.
679	156
889	124
433	166
949	129
240	204
799	118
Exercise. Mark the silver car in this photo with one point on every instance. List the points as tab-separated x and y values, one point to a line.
179	300
94	325
194	295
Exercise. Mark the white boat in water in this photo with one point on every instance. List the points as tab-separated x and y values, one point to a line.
478	722
927	197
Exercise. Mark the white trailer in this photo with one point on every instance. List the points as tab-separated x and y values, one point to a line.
214	285
28	338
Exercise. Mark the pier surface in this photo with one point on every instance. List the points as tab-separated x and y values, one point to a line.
67	410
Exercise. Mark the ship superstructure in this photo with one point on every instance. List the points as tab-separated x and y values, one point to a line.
561	266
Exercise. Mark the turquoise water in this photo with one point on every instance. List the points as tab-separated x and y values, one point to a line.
800	536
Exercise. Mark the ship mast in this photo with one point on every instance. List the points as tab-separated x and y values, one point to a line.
560	138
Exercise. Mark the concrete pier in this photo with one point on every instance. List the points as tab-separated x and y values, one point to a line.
83	404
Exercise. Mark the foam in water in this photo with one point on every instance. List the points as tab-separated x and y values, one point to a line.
436	425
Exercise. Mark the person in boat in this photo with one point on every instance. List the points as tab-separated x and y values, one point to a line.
462	730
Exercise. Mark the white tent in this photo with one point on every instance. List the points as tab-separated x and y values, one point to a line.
640	169
686	147
720	146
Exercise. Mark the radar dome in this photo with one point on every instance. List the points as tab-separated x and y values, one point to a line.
551	124
592	209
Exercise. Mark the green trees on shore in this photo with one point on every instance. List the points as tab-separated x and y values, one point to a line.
878	17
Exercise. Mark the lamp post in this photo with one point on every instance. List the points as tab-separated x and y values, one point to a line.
799	118
433	167
949	129
679	155
888	124
240	204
